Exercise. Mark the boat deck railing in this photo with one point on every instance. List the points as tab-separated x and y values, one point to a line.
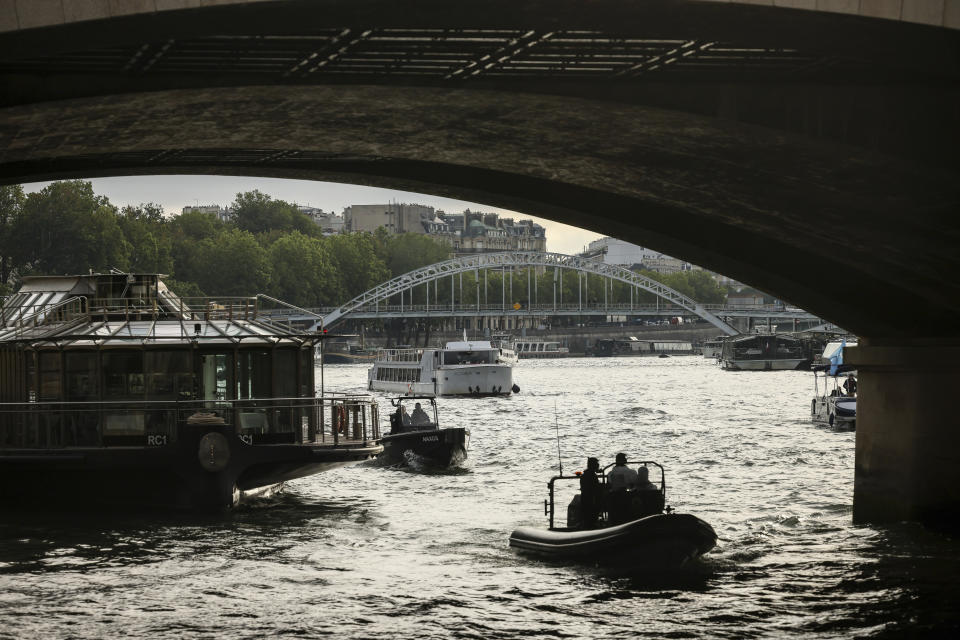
336	419
260	308
399	355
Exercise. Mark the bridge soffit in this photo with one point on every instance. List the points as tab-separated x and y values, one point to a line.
19	15
466	264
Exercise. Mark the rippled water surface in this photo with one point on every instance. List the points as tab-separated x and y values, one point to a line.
372	552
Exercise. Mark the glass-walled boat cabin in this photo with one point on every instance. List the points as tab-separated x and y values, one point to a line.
119	360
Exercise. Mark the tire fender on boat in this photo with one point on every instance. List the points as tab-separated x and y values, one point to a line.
214	452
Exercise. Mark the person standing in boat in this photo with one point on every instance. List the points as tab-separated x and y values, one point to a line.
620	480
850	386
419	417
590	497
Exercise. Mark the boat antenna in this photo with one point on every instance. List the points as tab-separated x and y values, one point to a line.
556	421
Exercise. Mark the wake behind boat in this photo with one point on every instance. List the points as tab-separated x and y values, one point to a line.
633	530
418	432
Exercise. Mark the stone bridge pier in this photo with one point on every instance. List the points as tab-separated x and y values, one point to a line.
908	432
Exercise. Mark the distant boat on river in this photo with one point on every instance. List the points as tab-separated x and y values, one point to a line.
467	368
763	352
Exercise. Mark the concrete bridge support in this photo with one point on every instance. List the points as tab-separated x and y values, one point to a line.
908	433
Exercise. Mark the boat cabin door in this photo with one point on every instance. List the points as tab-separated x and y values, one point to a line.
216	378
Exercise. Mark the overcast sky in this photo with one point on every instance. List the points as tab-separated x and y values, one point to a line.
176	192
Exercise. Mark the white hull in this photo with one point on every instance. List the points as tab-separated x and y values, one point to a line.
475	380
400	388
762	365
459	369
823	409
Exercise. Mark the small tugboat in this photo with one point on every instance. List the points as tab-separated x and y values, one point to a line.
419	432
115	391
634	531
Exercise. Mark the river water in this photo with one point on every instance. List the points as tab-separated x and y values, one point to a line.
372	552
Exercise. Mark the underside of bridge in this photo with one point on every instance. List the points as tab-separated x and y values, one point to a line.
812	155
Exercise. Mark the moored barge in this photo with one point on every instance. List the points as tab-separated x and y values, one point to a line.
116	391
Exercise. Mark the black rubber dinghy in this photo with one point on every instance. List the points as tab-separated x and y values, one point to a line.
658	540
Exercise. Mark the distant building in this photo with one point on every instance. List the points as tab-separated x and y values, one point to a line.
467	232
222	213
632	256
395	218
487	232
745	299
329	223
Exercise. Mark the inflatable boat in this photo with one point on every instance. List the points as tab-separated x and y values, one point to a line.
656	540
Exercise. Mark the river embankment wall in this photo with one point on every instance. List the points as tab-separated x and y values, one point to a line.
577	339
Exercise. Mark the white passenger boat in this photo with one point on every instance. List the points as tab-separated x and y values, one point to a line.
540	349
467	368
711	348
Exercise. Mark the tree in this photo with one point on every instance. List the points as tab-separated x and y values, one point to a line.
303	271
233	264
408	251
187	233
358	266
257	212
146	233
11	206
66	228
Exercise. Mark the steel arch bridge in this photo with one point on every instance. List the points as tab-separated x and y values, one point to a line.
469	263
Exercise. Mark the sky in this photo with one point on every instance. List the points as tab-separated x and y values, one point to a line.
177	191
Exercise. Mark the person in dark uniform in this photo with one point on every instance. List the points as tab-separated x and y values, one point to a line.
590	496
850	386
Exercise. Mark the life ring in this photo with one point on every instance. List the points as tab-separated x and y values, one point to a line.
339	418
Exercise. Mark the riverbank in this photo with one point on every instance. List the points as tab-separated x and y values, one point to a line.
577	339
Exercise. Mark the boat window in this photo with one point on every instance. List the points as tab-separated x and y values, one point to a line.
169	375
216	376
50	376
82	378
123	375
285	363
306	373
255	374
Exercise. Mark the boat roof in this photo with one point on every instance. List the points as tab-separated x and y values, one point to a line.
472	345
118	308
833	348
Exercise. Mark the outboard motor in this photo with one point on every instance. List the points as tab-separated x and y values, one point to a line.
515	388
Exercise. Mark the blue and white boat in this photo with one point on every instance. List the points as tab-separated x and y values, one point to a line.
835	395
